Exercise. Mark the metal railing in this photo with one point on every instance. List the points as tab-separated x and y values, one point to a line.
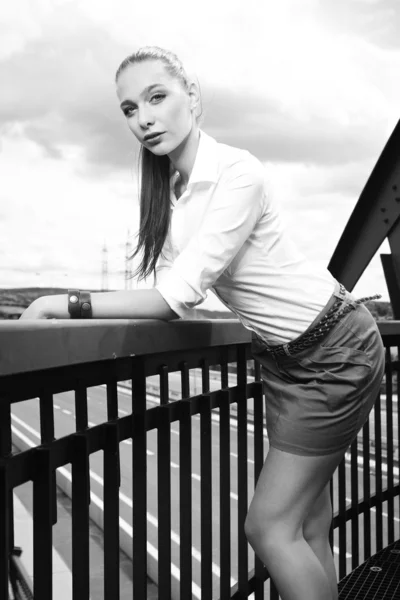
210	556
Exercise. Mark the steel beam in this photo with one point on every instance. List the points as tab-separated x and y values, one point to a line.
375	216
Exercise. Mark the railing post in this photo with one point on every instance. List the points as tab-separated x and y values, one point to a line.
206	496
6	497
139	479
80	519
4	529
242	479
111	512
185	492
164	488
42	525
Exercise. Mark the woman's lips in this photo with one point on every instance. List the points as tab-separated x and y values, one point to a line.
155	139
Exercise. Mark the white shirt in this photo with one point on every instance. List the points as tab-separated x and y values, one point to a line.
226	236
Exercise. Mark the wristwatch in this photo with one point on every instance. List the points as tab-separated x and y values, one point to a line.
79	304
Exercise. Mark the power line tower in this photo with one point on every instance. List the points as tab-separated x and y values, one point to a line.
128	264
104	268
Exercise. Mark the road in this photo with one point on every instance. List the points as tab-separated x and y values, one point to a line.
25	422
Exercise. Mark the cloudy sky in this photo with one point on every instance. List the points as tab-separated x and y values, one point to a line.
310	87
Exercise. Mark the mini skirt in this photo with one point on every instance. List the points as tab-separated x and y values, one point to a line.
317	399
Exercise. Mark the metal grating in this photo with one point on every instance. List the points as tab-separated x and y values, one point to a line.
376	579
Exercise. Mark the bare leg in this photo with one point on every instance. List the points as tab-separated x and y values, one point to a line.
322	551
287	489
316	533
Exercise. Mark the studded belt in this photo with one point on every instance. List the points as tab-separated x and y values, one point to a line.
334	314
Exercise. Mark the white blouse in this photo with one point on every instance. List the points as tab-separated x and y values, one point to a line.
226	236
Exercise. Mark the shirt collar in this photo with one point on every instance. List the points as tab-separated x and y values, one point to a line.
205	164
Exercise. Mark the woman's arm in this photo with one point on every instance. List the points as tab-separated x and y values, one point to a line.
125	304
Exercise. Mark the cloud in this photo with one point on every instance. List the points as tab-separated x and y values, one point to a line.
271	133
372	20
310	88
60	88
63	94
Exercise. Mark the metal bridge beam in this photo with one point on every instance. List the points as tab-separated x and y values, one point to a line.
375	217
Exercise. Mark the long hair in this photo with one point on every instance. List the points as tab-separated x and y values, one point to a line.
155	204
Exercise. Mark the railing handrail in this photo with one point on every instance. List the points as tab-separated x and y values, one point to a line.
34	345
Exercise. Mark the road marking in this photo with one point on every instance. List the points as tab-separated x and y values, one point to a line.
196	590
372	464
214	417
66	412
56	406
175	571
174	536
336	551
128	529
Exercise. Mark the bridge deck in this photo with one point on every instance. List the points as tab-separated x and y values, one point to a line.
376	579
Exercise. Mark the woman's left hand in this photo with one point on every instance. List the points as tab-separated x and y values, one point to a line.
48	307
36	310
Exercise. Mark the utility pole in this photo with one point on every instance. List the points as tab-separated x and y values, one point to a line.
104	269
128	264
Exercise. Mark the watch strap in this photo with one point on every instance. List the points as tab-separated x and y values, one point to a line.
85	305
79	304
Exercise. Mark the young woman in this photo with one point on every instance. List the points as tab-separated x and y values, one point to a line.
208	223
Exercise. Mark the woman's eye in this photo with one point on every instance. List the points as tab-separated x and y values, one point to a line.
128	111
158	97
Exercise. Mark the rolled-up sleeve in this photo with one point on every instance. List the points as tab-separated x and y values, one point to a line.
231	215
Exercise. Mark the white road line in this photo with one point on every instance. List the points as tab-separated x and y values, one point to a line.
336	551
123	524
128	529
372	464
214	417
174	536
175	571
56	406
66	412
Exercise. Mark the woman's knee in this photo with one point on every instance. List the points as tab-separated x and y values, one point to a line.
258	535
270	531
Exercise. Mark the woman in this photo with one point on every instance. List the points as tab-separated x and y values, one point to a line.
207	222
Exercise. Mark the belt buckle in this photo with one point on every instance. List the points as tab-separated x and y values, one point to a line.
341	294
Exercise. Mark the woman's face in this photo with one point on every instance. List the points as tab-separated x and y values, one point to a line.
155	102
